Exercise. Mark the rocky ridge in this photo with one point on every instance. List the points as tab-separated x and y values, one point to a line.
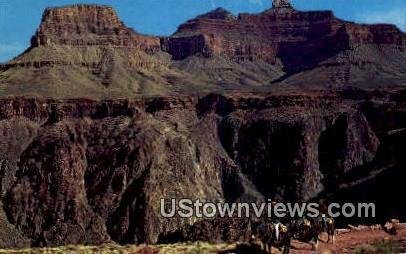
300	39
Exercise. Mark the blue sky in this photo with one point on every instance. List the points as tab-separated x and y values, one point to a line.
20	18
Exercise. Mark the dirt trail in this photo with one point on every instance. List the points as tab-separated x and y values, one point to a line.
348	242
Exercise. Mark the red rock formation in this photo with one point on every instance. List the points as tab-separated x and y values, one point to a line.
89	25
251	37
374	34
300	39
91	46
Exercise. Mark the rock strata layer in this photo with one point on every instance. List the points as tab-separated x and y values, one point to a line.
88	25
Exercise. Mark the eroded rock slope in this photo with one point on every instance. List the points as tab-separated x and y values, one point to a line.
82	171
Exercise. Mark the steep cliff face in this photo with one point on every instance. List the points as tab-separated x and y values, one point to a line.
88	25
251	37
334	51
301	40
82	171
290	154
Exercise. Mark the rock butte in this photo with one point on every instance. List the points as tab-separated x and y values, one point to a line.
83	25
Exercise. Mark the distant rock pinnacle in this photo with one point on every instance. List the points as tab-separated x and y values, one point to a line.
281	4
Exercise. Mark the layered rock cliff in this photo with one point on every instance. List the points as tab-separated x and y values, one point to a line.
88	25
85	50
302	41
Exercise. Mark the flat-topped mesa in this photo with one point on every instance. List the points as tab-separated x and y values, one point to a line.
248	36
278	33
86	25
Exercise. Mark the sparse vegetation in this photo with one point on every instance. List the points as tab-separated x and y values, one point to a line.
193	248
383	247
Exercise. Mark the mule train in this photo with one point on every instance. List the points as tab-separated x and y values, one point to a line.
269	234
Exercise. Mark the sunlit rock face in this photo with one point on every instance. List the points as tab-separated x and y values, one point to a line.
86	51
88	25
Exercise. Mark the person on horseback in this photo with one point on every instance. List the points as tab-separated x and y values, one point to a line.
308	230
281	238
272	234
329	228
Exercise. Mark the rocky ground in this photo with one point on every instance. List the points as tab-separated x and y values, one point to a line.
355	241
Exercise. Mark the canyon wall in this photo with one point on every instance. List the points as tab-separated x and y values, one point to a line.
82	171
